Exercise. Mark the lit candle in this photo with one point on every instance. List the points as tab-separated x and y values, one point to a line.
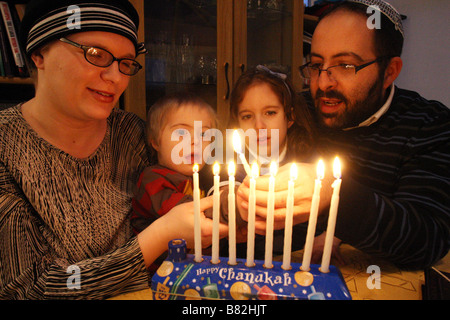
270	214
197	227
251	216
289	219
216	215
231	214
313	213
332	217
237	145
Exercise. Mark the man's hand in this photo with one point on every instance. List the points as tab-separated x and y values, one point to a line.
304	188
318	246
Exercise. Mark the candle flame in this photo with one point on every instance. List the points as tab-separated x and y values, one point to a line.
337	168
273	168
231	168
294	172
216	168
255	170
195	168
320	170
237	142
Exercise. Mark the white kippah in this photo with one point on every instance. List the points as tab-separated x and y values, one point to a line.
388	10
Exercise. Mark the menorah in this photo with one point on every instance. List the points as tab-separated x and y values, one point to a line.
194	276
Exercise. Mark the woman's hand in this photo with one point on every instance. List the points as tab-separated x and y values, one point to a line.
177	223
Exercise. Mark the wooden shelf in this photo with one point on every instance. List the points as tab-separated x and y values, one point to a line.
15	80
311	17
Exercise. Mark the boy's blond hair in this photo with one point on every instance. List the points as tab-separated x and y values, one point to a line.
157	114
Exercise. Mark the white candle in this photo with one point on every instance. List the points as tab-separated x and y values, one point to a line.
231	214
251	216
237	145
270	216
332	217
289	217
197	226
216	215
313	213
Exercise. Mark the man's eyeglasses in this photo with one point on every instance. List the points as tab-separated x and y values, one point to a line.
102	58
337	72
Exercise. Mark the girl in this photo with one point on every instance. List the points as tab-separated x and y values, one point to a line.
265	101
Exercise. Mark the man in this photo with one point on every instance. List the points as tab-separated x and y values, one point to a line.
394	144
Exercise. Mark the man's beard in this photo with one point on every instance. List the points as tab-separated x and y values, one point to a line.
354	112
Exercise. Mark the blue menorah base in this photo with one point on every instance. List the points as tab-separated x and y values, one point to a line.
181	278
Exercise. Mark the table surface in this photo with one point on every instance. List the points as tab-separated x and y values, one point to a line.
395	284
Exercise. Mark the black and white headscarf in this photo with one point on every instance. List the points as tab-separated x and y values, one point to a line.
47	20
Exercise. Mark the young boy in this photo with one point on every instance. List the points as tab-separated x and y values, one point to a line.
169	183
170	125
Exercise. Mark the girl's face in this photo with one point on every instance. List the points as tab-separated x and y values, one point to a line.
261	108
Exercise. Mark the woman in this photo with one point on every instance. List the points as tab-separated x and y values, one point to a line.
69	161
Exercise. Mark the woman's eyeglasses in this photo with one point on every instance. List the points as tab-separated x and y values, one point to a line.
102	58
